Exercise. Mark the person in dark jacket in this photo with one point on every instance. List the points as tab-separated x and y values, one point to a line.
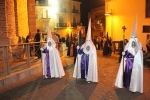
121	48
37	45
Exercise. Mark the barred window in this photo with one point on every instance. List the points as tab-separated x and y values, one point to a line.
146	29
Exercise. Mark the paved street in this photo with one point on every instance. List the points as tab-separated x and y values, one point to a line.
68	88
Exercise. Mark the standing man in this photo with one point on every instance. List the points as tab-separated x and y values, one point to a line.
86	62
130	74
37	45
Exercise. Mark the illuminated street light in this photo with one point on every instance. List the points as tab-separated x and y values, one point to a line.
108	13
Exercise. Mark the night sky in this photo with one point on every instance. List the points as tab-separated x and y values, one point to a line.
86	6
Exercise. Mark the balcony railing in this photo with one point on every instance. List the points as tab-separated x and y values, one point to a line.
74	24
75	11
61	24
14	58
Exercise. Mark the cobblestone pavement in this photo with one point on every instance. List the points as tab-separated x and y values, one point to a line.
68	88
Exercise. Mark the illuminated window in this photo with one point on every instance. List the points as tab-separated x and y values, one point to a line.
60	7
45	14
147	8
61	20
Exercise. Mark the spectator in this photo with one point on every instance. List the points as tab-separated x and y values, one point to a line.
147	42
110	45
28	40
37	45
121	48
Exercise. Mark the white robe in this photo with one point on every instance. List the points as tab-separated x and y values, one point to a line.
136	83
56	68
92	67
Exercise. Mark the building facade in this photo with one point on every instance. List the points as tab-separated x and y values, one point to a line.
62	15
17	19
124	13
97	21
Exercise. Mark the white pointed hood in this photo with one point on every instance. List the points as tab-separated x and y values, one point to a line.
134	30
133	40
50	42
49	35
88	45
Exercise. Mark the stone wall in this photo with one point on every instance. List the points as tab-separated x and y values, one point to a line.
17	18
31	16
22	18
7	22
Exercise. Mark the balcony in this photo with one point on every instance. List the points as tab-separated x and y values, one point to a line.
75	11
61	24
74	24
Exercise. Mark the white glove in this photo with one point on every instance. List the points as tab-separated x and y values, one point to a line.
78	47
123	53
41	49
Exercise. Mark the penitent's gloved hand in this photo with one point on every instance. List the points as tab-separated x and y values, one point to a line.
78	47
41	49
123	53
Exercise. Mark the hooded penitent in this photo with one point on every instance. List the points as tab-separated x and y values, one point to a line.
51	62
88	45
86	61
130	74
50	42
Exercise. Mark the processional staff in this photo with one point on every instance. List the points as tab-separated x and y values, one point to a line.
124	28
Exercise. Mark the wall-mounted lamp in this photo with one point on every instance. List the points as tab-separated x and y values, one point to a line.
108	13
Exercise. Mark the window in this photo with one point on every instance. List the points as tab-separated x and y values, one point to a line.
146	29
74	7
45	13
60	7
74	20
61	19
147	8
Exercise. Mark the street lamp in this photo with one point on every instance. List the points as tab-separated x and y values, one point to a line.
108	13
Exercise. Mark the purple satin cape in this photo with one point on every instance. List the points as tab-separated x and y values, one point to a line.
47	58
128	69
84	63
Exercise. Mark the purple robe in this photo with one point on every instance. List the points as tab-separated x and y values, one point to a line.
47	59
128	69
84	63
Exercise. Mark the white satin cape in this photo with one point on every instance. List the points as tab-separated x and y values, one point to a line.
92	67
136	83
